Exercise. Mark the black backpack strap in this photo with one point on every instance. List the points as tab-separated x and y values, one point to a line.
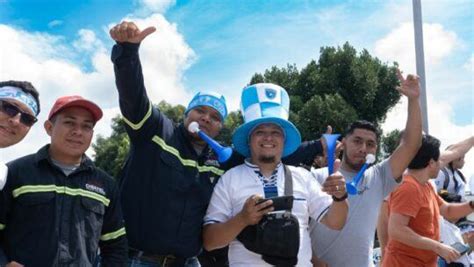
456	183
288	182
461	175
446	178
288	185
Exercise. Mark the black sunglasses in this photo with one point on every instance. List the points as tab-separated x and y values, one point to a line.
12	111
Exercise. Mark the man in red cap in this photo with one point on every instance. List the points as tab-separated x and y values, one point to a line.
57	208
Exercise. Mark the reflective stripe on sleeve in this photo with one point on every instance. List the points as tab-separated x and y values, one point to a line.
185	162
120	232
139	125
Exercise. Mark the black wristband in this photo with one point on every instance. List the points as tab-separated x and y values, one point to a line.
471	204
339	199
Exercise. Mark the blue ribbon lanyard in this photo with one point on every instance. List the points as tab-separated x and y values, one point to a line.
269	185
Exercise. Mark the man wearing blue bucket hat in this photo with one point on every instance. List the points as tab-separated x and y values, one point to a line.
264	138
170	173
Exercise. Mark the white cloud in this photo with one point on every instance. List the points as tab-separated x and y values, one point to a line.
469	65
55	23
46	61
399	45
153	6
165	56
88	41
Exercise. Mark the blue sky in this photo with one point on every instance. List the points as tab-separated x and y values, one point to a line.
63	47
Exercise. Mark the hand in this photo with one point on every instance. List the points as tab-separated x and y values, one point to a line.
335	184
252	213
339	146
409	87
447	252
129	32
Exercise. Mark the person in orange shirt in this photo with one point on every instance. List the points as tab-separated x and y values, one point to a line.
414	214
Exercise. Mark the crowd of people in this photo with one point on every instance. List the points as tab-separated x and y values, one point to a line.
176	204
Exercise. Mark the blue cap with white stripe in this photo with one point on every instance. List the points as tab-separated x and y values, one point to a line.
265	103
210	99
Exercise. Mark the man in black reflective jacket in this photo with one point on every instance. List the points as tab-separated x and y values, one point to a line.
57	208
168	178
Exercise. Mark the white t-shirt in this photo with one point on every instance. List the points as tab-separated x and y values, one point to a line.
450	234
459	190
240	182
320	174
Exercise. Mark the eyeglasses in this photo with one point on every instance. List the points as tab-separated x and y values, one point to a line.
12	111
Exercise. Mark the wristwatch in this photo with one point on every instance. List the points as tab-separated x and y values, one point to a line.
471	204
339	199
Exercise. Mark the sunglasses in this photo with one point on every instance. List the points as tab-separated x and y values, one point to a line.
12	111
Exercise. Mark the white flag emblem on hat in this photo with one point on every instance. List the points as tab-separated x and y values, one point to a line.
270	93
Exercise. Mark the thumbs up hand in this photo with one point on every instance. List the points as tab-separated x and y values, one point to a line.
335	185
130	33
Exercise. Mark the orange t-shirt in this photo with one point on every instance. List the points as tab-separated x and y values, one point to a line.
421	203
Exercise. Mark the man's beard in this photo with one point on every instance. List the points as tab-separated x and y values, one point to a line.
267	159
354	166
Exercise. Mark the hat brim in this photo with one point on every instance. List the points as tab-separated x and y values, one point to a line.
82	103
241	135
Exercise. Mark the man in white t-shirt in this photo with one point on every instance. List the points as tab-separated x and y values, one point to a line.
264	138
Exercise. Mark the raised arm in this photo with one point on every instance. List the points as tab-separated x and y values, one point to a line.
308	150
335	186
455	151
134	103
411	139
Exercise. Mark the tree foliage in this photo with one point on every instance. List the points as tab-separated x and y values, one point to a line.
342	86
110	152
390	142
233	120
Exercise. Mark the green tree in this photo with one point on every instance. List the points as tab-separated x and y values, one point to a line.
319	112
111	151
390	142
233	120
340	87
175	113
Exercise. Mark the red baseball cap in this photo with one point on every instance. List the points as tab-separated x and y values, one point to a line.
75	101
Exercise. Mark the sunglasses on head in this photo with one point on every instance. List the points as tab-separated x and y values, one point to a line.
12	110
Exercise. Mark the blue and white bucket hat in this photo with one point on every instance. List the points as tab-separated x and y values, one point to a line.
265	103
210	99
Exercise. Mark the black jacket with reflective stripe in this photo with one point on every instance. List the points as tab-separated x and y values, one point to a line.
50	219
165	186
